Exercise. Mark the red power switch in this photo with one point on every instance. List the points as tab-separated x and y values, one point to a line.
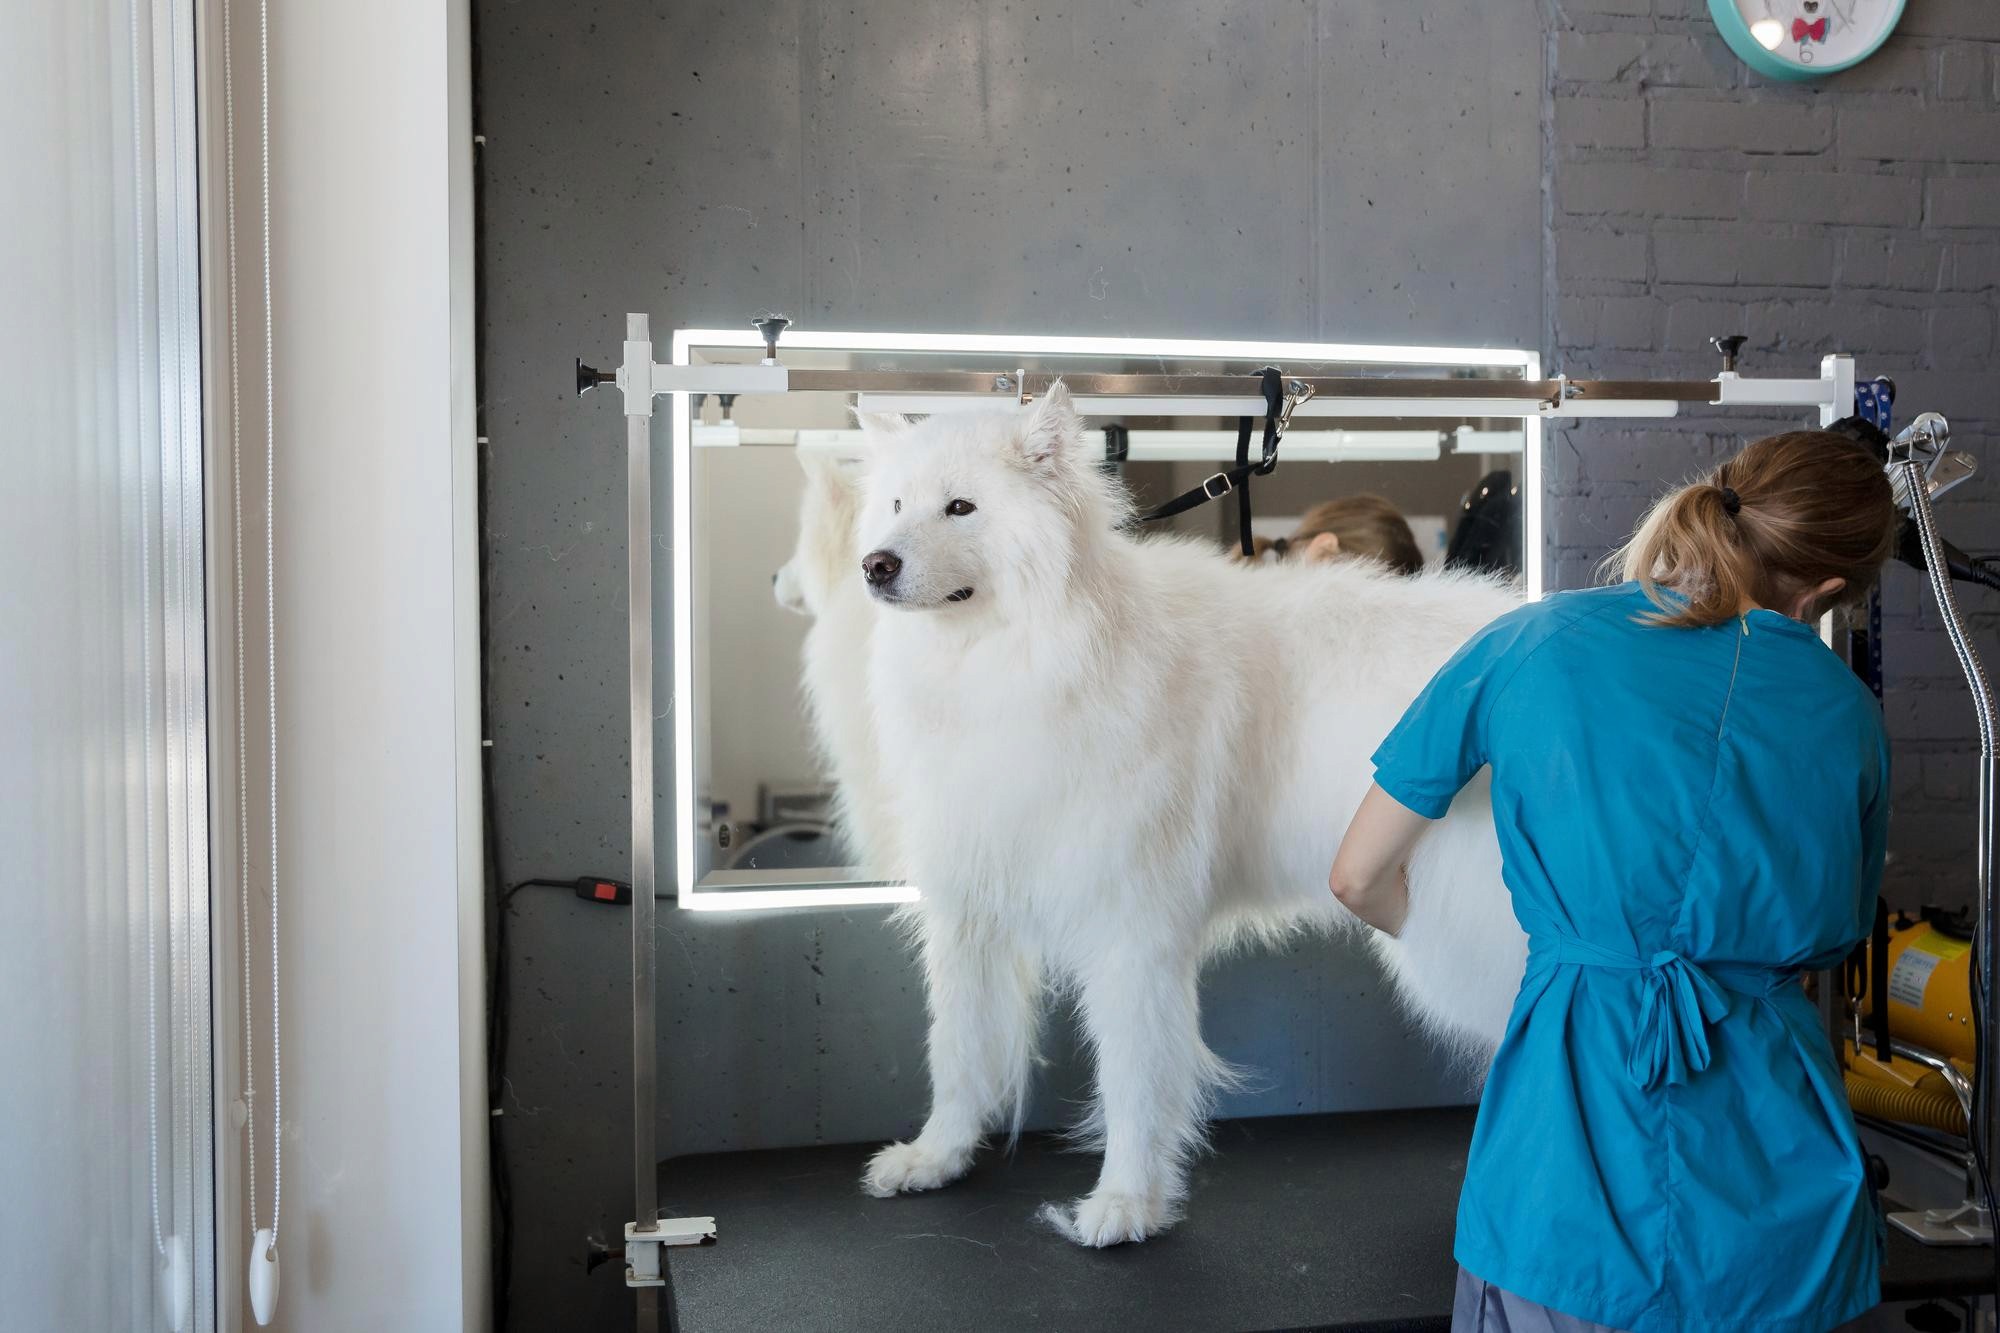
607	891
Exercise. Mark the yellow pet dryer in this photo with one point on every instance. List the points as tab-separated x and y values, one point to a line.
1912	1063
1929	987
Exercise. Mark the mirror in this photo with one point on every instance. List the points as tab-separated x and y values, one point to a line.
761	822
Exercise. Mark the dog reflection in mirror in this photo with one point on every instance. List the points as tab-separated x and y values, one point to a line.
819	581
1107	758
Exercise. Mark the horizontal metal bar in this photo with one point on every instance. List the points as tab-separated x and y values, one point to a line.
1610	407
1470	440
1673	391
1229	394
1733	389
1001	384
1301	446
1157	446
1017	345
1167	405
715	378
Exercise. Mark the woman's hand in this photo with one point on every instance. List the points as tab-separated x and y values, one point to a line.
1368	872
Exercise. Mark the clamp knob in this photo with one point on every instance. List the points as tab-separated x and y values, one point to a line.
1729	347
589	377
771	326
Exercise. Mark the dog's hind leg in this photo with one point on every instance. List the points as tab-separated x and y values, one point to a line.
1155	1079
984	994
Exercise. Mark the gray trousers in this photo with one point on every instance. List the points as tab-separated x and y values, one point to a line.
1480	1307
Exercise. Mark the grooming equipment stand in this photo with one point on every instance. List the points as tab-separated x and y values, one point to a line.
1532	397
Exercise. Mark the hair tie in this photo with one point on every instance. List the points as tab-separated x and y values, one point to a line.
1732	503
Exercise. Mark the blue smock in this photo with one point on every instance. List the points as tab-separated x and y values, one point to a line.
1687	818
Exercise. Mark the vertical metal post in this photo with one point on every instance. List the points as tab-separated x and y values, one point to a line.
639	586
646	1235
636	380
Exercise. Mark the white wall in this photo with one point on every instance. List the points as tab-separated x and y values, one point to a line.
385	1200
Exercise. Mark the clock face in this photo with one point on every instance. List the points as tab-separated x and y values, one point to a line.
1801	38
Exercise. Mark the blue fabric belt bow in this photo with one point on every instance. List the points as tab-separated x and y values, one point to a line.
1681	1000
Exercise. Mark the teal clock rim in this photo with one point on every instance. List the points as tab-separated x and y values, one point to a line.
1729	21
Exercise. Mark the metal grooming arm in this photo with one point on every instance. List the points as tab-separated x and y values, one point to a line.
1100	393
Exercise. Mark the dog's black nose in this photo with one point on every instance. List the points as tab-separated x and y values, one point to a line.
881	567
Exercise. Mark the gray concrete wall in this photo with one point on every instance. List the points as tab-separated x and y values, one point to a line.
1532	174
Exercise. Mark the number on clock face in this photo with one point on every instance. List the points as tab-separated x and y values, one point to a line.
1797	38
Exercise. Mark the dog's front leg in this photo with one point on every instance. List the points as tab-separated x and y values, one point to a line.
983	993
1154	1080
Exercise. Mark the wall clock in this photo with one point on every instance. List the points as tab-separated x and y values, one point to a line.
1804	39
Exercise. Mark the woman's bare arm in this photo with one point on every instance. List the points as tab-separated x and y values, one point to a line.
1367	875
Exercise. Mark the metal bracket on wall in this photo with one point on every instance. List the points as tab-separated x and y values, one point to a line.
644	1265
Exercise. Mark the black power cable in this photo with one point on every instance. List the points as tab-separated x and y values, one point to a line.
498	1009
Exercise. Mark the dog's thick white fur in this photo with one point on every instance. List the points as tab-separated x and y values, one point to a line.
1103	758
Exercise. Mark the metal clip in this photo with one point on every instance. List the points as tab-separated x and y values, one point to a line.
643	1261
1296	392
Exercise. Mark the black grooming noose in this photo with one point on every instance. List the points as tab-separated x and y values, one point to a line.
1237	478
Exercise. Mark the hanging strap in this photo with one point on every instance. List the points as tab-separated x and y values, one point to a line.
1878	980
1237	478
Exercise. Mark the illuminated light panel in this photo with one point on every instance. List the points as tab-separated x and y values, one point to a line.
692	898
762	900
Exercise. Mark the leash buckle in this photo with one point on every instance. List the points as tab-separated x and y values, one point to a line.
1217	486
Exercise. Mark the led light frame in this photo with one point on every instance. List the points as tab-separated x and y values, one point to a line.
687	892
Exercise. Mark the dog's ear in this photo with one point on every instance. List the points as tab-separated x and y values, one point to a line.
1052	429
879	426
834	480
817	464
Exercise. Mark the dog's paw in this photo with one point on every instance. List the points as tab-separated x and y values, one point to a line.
912	1166
1108	1219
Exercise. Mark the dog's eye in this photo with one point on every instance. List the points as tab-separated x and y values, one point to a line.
899	506
960	508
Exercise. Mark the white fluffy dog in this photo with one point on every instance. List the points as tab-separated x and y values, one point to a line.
1101	759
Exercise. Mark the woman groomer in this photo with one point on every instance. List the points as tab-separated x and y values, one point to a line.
1690	795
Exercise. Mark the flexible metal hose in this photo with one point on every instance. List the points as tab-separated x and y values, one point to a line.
1908	474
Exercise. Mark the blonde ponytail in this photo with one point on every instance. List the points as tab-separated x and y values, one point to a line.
1785	515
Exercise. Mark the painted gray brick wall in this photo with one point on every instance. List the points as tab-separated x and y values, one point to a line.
1690	197
1574	176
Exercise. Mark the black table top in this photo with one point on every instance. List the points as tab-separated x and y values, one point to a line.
1299	1222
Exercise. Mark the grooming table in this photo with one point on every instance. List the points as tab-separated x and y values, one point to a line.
1299	1222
